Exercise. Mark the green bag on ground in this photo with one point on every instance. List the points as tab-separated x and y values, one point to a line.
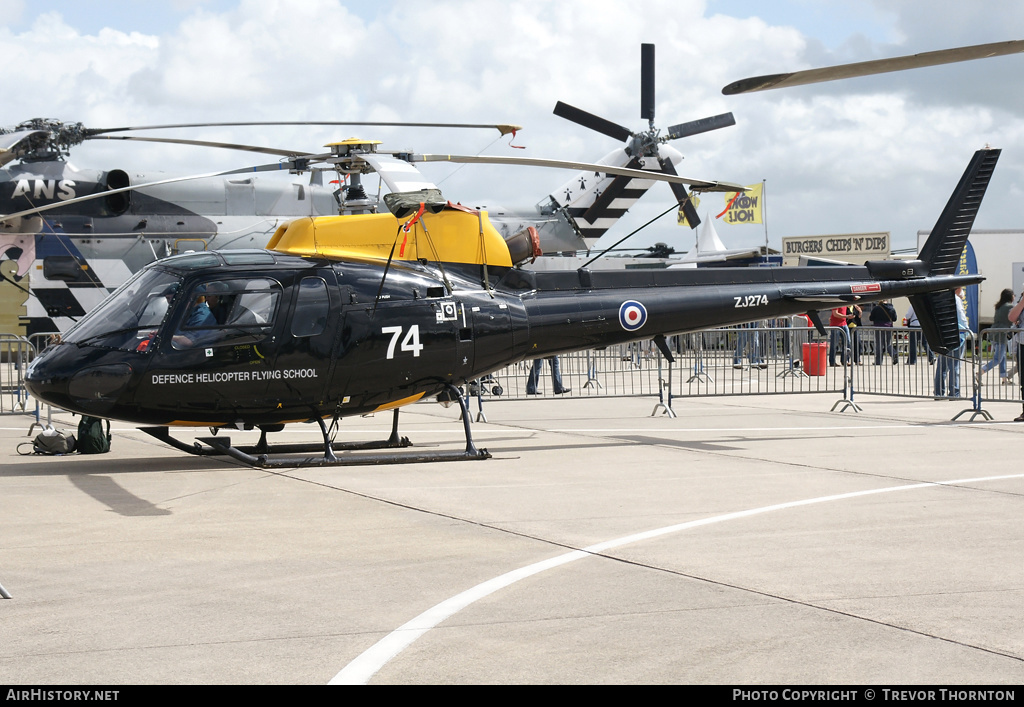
91	438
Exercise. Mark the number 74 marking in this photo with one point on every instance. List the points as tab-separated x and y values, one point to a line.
411	341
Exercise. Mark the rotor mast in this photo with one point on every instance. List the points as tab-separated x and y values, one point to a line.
346	156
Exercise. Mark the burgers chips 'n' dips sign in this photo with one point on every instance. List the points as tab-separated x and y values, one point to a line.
851	248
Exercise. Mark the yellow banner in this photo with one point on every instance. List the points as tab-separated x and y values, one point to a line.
681	217
744	207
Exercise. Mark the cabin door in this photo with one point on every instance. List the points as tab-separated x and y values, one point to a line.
299	361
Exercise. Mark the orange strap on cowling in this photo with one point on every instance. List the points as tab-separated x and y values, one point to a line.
408	225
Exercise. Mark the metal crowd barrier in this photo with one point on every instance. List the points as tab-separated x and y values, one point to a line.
40	341
629	370
898	361
990	354
15	354
998	365
761	360
732	361
775	357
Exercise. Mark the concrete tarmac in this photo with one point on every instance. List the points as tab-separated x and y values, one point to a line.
750	540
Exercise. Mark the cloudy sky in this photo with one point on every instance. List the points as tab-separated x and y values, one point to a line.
872	154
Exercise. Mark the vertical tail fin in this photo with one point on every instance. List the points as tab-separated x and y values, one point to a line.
945	245
941	253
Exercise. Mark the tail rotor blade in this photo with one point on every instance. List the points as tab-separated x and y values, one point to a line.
589	120
647	82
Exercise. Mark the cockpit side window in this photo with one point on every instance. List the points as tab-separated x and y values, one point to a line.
228	312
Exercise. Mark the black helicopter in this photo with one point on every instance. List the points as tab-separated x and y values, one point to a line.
353	314
349	315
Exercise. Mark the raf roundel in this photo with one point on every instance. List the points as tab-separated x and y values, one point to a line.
632	315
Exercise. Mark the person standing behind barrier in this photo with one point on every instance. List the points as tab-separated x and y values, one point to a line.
1001	320
854	313
1016	316
947	372
838	336
556	376
915	338
750	341
883	314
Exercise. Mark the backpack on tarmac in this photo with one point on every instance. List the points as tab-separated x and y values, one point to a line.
51	442
91	438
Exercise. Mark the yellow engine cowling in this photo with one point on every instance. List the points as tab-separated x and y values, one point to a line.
452	236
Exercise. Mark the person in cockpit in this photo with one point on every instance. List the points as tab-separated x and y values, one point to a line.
199	314
199	317
216	301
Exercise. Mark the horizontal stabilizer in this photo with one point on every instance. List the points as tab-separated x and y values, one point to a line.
937	313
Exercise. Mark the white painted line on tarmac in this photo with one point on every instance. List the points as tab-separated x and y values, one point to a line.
365	666
846	424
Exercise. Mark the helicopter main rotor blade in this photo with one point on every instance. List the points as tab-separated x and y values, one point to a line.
685	203
398	175
275	166
868	68
695	127
502	128
647	82
204	143
699	184
9	141
589	120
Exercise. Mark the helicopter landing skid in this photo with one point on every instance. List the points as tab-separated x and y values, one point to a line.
259	455
264	461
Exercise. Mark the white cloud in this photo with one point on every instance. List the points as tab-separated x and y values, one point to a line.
12	10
